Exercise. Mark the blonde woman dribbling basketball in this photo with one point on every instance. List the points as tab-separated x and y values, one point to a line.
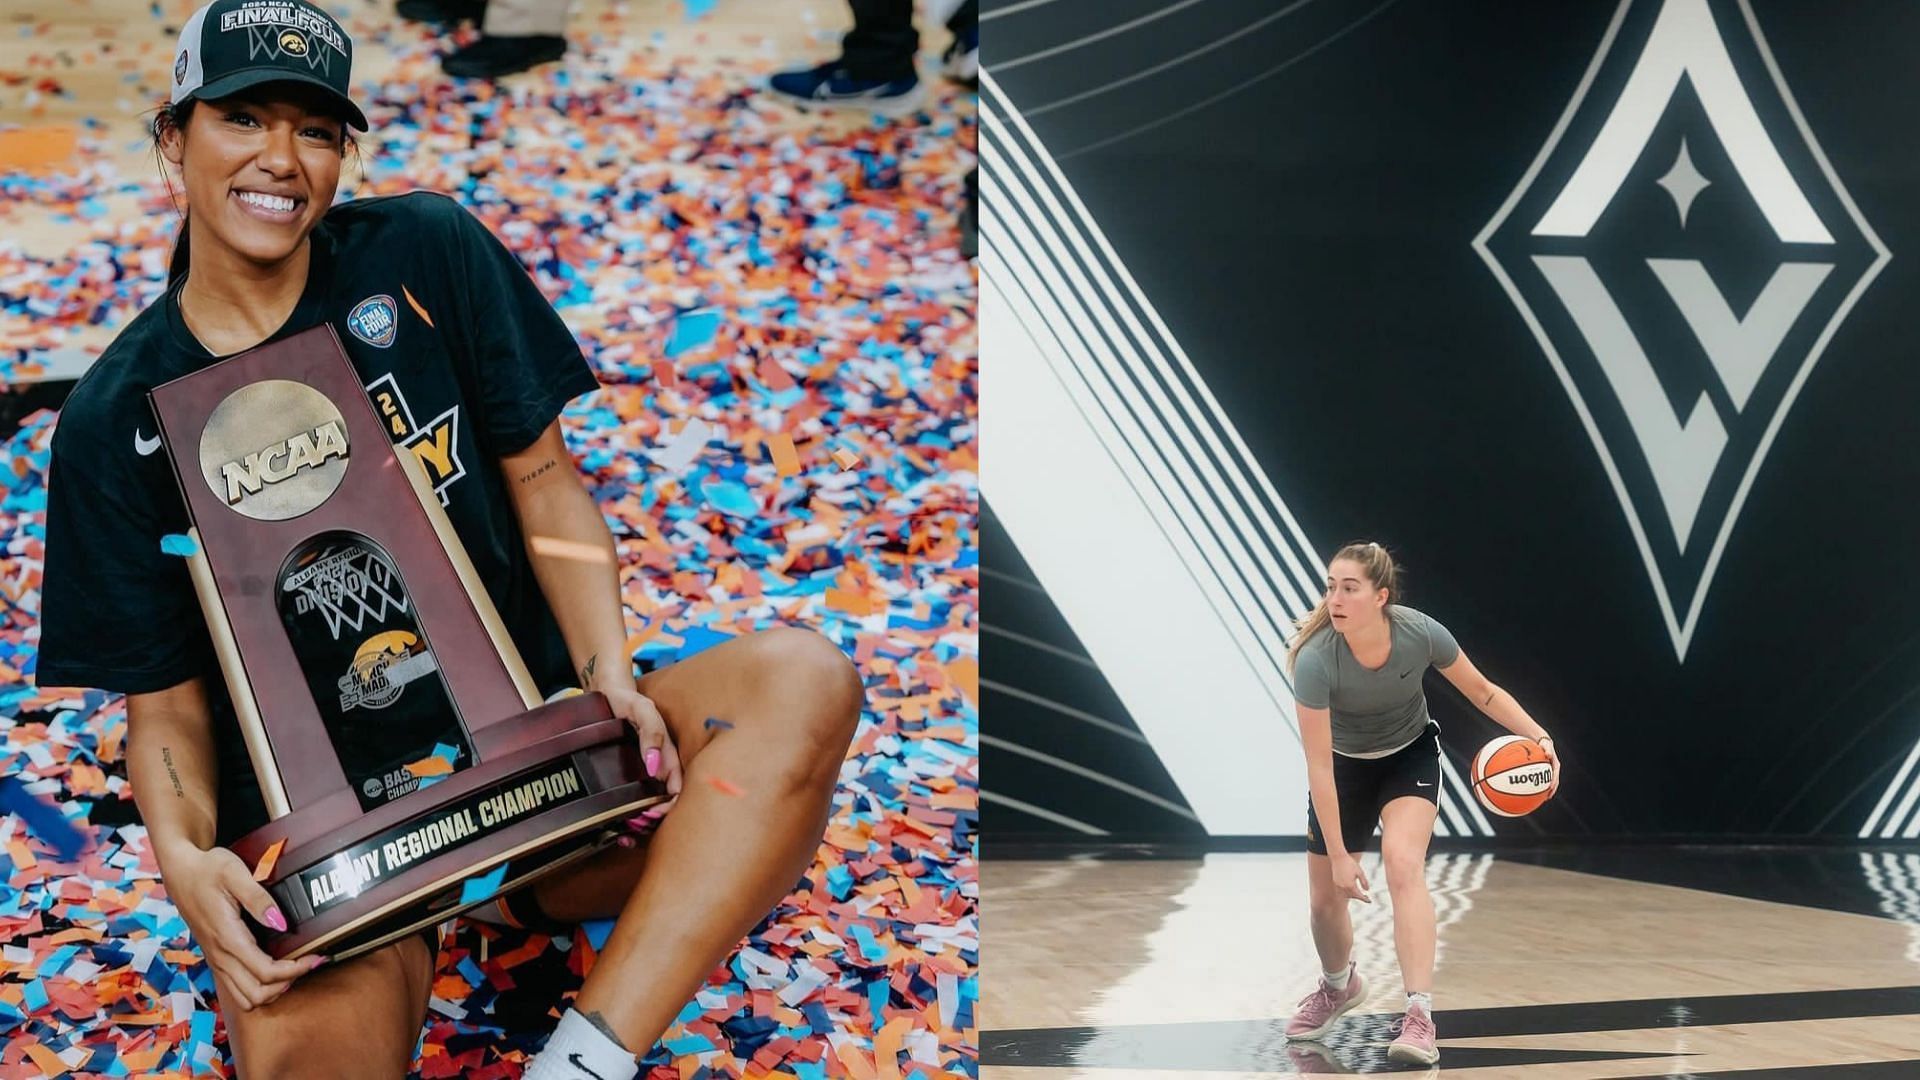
1373	755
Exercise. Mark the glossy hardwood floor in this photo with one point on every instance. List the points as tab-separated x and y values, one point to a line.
1190	967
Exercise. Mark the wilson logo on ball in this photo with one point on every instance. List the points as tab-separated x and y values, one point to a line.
1512	776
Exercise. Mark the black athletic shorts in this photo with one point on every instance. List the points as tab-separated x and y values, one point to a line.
1364	785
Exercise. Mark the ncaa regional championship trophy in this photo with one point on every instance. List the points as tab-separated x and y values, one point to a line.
409	767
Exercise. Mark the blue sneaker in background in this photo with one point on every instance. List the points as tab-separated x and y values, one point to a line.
830	86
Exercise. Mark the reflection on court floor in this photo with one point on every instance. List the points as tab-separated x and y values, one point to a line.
1191	966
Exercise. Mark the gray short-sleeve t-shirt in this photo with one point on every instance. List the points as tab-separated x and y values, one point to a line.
1374	711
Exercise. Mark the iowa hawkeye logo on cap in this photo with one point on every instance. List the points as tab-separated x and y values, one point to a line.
374	320
229	46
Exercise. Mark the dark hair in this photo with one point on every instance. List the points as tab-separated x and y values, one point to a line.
175	116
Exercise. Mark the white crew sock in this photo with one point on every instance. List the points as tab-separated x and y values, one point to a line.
1338	979
579	1050
1425	1001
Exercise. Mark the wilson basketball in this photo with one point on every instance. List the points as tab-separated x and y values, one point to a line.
1512	776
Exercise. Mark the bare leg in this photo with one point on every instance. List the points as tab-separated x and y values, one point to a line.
720	861
1332	927
361	1018
1406	824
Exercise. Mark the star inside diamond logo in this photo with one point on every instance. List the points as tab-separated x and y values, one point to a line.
1683	252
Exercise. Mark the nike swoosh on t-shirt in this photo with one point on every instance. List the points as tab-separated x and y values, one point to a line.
1406	673
142	446
573	1059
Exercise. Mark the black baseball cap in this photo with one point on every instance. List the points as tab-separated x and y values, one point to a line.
230	45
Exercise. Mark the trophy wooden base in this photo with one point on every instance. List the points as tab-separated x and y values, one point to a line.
549	788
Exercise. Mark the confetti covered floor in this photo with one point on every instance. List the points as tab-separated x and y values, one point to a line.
784	331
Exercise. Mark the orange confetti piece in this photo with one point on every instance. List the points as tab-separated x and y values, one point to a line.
269	858
887	1044
965	673
786	460
415	304
859	1066
49	1062
37	147
431	765
725	786
852	603
848	459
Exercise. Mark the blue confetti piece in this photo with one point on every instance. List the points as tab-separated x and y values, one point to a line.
476	889
869	947
471	972
693	330
35	995
56	961
699	9
877	1000
840	880
692	1044
715	722
597	931
731	498
42	818
179	544
698	639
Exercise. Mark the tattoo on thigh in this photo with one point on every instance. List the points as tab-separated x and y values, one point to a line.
586	673
166	755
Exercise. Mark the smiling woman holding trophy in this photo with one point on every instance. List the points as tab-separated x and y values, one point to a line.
312	512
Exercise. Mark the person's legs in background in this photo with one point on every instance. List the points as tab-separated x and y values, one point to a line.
963	66
441	12
962	58
874	71
514	35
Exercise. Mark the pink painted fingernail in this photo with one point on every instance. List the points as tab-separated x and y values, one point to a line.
638	821
624	841
276	920
317	961
652	758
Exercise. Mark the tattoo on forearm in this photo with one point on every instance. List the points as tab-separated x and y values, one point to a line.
166	755
606	1029
1490	695
541	469
586	673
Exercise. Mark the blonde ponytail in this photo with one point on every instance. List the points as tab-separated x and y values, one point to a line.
1316	621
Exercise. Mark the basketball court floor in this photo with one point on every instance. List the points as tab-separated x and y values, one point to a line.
1575	965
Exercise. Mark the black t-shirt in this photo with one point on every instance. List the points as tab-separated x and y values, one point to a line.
459	352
